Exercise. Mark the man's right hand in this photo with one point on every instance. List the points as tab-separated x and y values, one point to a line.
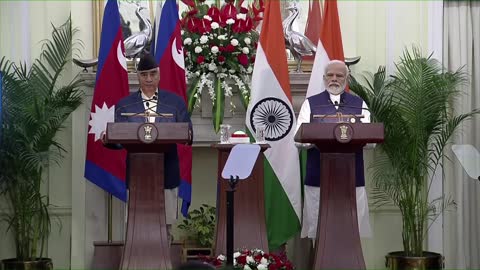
103	137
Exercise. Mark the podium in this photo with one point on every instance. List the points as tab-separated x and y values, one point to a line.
249	206
146	242
338	243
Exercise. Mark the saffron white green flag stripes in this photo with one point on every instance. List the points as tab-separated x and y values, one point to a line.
330	47
271	106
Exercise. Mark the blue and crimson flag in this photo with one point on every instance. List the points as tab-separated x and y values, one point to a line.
105	167
168	52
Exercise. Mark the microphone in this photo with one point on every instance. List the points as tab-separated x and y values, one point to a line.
338	114
154	98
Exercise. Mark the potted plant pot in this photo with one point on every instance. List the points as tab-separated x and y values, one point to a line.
398	260
38	264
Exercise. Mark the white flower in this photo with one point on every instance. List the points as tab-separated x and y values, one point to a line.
221	257
234	42
232	71
214	49
247	41
249	70
246	267
264	261
198	49
182	32
245	50
207	17
230	21
203	39
222	37
250	259
187	41
212	66
241	16
214	25
262	267
236	254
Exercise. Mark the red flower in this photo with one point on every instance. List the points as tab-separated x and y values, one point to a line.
189	3
242	259
243	59
238	26
252	59
229	48
214	13
221	58
204	26
229	12
273	266
191	23
200	59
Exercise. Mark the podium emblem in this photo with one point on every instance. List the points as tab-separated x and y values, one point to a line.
343	133
273	114
147	133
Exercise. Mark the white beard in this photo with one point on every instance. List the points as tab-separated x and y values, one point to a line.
335	90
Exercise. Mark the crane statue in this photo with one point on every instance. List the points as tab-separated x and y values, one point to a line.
136	43
298	44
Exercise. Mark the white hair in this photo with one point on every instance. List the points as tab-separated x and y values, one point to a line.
331	62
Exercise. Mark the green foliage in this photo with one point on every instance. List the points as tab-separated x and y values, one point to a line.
414	104
35	106
200	225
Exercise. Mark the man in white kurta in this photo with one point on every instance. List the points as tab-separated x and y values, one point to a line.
331	101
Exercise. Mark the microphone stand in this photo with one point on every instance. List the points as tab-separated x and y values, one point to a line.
230	214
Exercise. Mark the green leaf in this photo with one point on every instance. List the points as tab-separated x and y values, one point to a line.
192	94
414	104
218	105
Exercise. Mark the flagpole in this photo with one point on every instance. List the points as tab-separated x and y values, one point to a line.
109	222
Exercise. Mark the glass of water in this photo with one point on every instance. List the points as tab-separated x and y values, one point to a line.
260	134
225	133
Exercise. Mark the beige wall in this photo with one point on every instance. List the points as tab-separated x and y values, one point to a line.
375	30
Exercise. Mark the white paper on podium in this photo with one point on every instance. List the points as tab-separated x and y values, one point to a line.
241	160
469	158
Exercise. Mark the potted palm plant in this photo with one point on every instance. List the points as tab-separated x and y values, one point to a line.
415	106
35	105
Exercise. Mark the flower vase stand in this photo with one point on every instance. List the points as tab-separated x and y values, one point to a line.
338	243
146	242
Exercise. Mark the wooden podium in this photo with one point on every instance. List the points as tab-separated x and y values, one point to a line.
338	243
249	206
146	242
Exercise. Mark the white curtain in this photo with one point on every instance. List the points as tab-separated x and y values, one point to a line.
462	49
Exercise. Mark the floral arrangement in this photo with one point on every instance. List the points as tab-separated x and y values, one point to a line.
254	259
220	44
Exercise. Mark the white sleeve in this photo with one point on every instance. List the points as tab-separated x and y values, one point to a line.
303	117
366	119
365	113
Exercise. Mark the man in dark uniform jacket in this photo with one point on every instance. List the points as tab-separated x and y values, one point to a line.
151	99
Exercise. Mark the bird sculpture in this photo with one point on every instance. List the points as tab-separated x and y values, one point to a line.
298	44
85	63
136	43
